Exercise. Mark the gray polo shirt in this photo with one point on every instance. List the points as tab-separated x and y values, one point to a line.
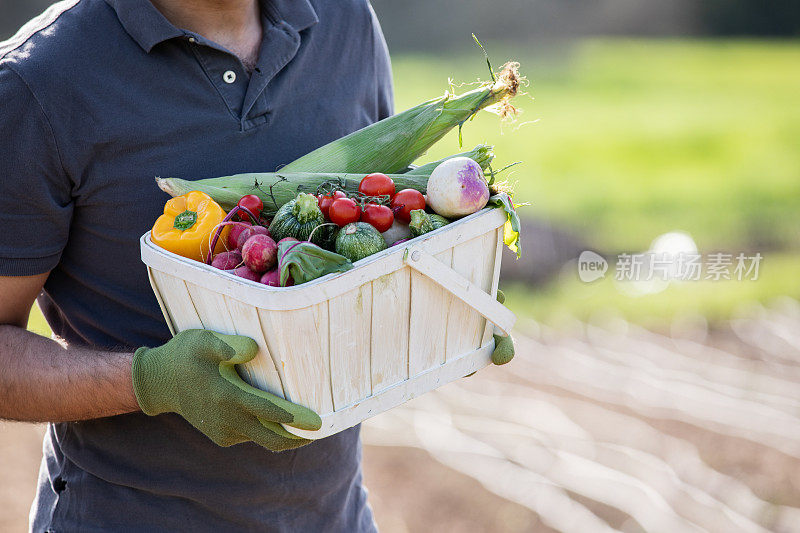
98	97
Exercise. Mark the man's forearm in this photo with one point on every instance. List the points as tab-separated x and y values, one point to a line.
41	381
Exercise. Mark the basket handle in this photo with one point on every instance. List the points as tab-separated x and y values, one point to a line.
460	287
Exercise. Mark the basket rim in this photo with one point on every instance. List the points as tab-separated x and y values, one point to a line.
325	287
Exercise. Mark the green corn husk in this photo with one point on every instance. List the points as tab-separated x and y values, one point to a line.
481	154
277	188
391	145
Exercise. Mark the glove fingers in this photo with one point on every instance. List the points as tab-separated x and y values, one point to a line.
244	348
503	350
272	436
269	406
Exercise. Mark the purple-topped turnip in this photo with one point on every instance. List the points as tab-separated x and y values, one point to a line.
457	187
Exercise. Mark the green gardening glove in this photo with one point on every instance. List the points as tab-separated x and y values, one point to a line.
194	375
503	346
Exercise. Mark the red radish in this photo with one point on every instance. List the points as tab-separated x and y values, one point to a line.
260	253
227	260
287	239
246	273
272	278
249	232
233	235
457	187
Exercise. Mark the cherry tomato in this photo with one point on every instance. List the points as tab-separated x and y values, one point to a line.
377	184
343	211
251	202
325	201
379	216
406	201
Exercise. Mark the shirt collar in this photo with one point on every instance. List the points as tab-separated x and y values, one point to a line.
299	14
148	27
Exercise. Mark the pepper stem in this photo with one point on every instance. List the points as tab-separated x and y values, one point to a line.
185	220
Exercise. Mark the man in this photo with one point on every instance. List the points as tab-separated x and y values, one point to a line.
98	97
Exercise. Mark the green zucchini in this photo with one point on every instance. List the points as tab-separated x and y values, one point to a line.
358	240
298	218
422	222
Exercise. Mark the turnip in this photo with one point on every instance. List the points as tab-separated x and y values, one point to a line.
287	239
227	260
249	232
233	236
260	253
457	187
398	231
246	273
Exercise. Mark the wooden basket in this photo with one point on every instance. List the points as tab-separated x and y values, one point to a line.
351	345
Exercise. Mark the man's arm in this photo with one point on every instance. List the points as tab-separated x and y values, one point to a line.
41	380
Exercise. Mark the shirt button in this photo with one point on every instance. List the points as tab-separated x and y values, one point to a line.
192	40
229	76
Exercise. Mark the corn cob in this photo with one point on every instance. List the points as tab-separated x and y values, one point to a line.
277	188
392	144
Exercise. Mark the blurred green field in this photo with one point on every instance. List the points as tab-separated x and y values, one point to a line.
628	139
636	138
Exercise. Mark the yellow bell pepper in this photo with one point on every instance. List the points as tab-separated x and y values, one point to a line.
187	223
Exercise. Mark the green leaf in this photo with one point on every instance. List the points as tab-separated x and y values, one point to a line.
513	227
305	261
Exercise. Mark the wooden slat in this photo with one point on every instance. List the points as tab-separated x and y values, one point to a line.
261	371
212	309
430	304
461	288
299	344
391	301
465	326
495	279
176	299
350	328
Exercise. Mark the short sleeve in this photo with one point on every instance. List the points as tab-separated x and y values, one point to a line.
383	70
35	192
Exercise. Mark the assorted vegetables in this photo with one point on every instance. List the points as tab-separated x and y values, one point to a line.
343	202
